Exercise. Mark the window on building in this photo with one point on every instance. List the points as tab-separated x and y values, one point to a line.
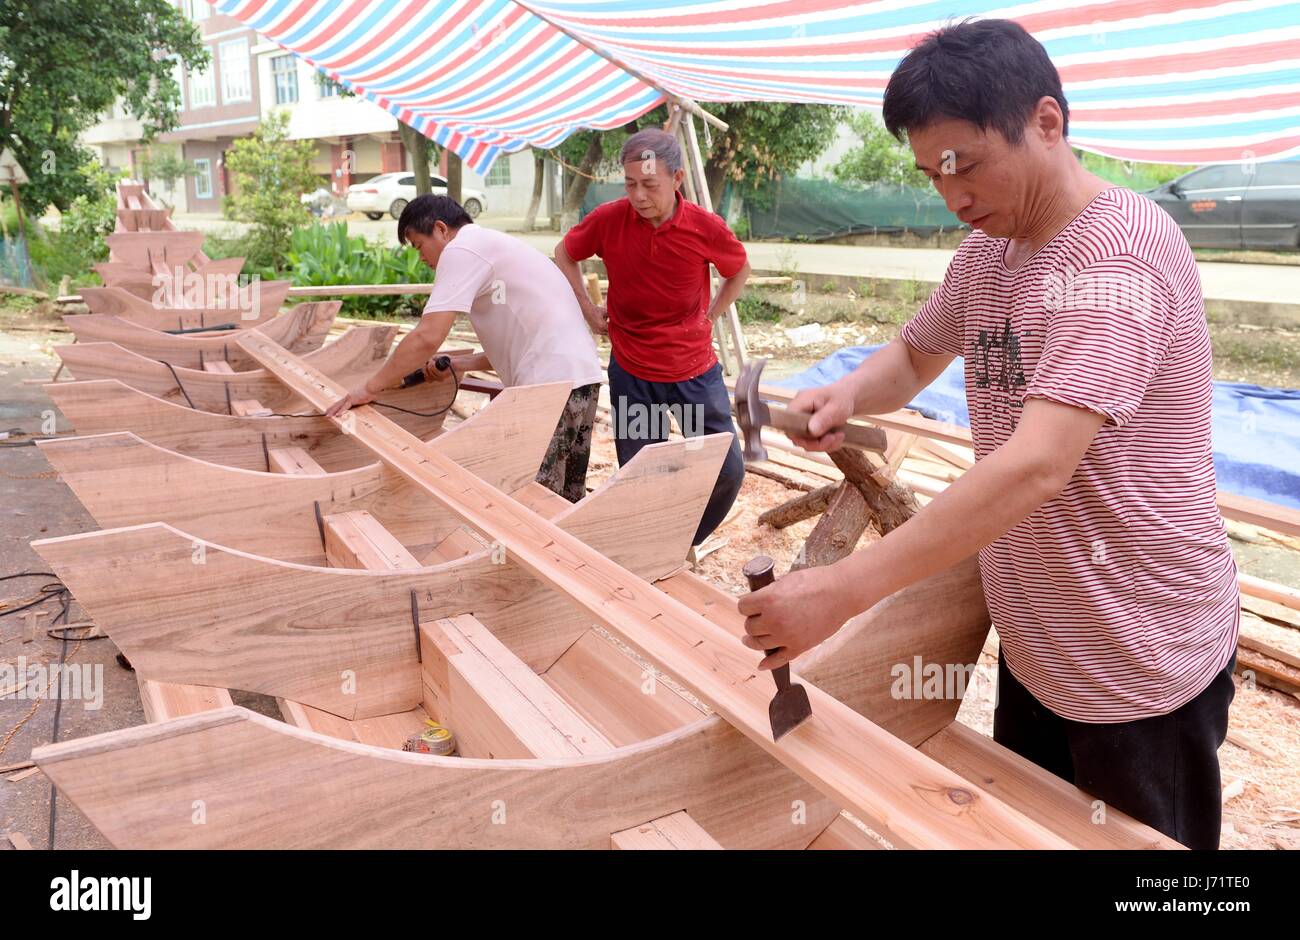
499	175
203	179
203	89
284	68
198	10
235	80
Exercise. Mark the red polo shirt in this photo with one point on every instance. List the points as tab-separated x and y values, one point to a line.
658	298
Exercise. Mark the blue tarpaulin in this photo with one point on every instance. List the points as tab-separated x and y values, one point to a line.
1256	429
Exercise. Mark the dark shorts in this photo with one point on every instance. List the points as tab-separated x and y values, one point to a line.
699	406
564	468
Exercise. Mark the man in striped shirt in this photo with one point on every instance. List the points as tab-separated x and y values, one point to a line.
1077	308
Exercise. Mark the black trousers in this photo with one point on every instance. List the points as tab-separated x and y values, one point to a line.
1163	771
700	405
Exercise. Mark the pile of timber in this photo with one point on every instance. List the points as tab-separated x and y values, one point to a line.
372	574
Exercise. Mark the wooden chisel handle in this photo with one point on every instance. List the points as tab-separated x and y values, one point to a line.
760	571
796	423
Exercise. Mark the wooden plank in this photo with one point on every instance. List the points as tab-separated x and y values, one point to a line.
357	540
293	460
843	833
163	701
622	698
870	772
677	831
495	704
458	543
1039	794
1282	594
220	367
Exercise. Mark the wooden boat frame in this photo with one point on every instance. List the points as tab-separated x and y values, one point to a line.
302	328
354	355
581	756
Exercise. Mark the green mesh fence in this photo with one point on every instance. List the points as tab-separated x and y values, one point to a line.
811	209
815	209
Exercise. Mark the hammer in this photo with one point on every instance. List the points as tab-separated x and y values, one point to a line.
752	413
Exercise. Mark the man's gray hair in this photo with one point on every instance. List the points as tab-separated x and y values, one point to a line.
653	144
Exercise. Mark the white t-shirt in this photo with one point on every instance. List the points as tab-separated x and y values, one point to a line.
521	306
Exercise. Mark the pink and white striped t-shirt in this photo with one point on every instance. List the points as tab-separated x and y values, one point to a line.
1117	599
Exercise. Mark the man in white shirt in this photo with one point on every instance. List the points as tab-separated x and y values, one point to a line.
527	320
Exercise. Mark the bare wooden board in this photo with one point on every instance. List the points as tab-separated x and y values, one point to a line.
918	801
1040	795
497	706
303	327
101	407
843	833
677	831
357	352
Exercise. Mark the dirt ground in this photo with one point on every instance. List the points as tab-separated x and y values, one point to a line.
1260	764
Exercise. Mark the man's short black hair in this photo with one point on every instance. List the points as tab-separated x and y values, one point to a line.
422	212
989	72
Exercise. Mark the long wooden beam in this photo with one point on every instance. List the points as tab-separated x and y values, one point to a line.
913	799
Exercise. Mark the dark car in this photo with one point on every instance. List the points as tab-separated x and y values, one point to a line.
1236	206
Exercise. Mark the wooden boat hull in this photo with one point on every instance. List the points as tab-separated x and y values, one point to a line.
152	250
265	784
123	480
229	303
104	406
238	620
355	354
139	281
302	328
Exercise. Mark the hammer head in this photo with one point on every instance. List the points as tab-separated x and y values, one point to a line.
749	409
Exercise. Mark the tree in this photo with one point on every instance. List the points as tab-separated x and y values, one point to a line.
765	140
539	180
417	149
165	165
63	65
587	153
455	168
879	158
271	173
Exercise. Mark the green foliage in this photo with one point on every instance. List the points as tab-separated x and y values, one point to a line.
753	308
1135	176
767	140
879	158
271	173
166	165
323	255
78	242
63	65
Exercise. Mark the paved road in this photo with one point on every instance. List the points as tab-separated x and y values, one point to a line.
1268	283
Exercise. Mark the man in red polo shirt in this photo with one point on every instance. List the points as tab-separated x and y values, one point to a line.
657	249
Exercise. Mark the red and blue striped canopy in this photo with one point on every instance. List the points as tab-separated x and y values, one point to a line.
1168	81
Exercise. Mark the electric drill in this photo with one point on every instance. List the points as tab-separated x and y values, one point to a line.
422	374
